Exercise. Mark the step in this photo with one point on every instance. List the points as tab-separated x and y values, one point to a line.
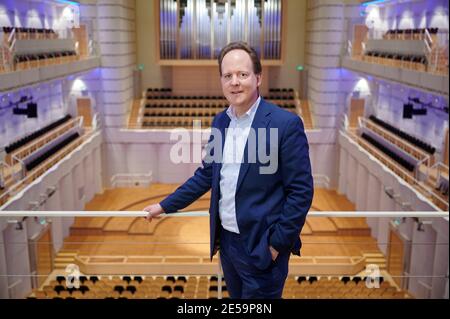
375	260
67	254
60	266
64	258
373	255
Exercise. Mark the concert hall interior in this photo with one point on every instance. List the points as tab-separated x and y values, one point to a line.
95	96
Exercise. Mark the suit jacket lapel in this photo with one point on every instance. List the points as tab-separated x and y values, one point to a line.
261	120
222	124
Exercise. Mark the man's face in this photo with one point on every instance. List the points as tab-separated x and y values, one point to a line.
239	82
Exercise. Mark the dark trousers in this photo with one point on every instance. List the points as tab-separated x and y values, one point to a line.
243	279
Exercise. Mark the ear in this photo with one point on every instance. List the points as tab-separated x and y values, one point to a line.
259	79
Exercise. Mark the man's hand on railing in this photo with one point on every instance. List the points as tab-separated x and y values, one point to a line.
153	212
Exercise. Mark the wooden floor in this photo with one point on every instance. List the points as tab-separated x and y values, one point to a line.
189	236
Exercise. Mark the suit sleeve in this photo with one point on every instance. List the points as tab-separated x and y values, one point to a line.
298	186
193	188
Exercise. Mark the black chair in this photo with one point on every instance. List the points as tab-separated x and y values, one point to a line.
59	288
312	279
182	278
119	288
94	279
83	288
170	278
60	279
131	288
178	288
166	288
83	279
301	278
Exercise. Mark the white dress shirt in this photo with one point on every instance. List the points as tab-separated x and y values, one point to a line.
233	151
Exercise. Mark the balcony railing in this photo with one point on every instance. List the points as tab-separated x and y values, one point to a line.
137	275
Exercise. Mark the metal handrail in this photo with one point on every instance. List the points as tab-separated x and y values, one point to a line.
18	186
19	213
410	178
12	35
425	156
70	124
428	37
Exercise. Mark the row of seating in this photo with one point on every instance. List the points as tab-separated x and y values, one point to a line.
271	90
187	105
184	97
31	33
166	93
157	90
207	287
400	160
40	159
36	134
281	90
28	61
340	288
418	63
401	57
212	97
443	188
134	287
171	113
174	124
278	97
409	34
160	112
139	279
344	279
411	139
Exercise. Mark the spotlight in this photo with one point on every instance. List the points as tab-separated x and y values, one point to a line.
32	110
407	111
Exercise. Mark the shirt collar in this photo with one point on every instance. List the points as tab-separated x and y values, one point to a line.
249	114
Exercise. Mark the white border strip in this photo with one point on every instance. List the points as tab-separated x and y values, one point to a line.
204	213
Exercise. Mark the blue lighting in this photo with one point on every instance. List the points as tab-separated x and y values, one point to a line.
74	3
368	3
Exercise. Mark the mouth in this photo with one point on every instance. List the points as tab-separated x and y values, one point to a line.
236	92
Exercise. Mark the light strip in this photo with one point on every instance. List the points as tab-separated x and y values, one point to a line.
431	214
373	2
74	3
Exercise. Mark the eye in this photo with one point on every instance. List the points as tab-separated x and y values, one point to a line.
243	75
227	77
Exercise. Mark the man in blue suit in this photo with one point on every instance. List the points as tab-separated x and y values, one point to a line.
258	203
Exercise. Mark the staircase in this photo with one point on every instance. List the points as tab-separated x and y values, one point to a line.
2	64
306	115
439	60
442	61
63	258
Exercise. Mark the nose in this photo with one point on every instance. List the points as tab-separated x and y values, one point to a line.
234	80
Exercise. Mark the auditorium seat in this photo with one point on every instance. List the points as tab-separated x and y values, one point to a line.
411	139
160	104
400	160
54	149
33	136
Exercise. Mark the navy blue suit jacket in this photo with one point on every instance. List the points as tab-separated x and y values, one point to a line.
270	208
